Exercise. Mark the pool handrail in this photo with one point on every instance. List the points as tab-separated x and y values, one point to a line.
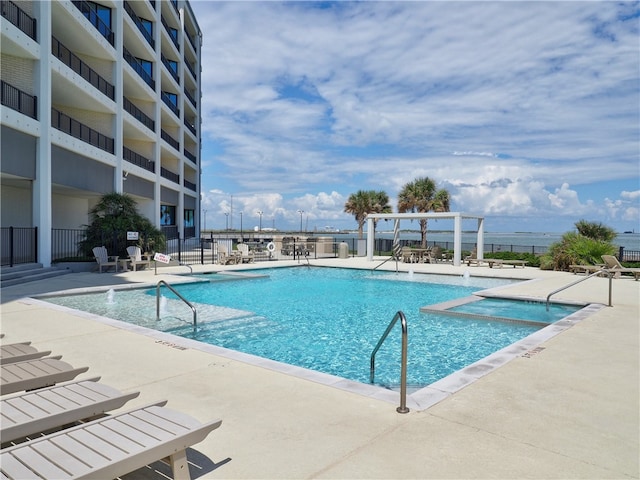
598	272
193	309
403	367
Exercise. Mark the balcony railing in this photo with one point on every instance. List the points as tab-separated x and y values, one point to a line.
191	41
168	100
190	97
95	20
68	125
18	100
169	175
190	156
81	68
173	33
170	140
138	114
171	66
141	26
191	69
139	68
18	17
190	127
137	159
190	185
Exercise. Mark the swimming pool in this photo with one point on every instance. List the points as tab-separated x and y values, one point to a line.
324	319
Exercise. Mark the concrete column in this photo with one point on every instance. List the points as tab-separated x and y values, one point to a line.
42	213
480	237
370	239
457	240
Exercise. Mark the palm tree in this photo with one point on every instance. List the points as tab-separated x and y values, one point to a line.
364	202
422	196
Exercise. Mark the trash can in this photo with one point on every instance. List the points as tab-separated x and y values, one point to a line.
343	250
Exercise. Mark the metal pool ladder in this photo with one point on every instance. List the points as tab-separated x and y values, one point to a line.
403	368
193	309
599	272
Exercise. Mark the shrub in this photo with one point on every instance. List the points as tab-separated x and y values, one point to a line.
575	249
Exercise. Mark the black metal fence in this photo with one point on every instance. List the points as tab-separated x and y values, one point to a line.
18	245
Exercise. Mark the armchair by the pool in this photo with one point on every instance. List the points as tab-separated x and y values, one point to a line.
136	258
104	259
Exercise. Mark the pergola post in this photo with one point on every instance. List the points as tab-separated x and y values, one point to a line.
370	239
457	240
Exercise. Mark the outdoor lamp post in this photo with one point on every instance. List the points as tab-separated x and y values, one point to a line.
241	236
227	224
204	218
300	212
260	212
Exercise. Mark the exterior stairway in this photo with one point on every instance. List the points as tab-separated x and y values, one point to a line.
28	272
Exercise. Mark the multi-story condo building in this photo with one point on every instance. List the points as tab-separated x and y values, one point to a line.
99	97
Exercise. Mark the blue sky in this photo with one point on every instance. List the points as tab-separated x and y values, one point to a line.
526	112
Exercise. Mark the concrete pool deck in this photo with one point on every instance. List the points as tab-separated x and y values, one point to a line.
569	409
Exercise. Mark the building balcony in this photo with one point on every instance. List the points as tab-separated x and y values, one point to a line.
66	124
168	99
18	17
190	156
172	66
169	175
96	21
138	67
137	159
170	140
148	35
190	185
65	55
18	100
138	114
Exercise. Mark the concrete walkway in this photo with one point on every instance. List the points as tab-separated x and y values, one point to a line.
568	409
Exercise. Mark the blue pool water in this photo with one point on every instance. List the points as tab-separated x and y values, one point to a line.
324	319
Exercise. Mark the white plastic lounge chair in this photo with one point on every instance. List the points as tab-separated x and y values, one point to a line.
45	409
19	352
104	259
613	265
32	374
136	258
246	255
109	447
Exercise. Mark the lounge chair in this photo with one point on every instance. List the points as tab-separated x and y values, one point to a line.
473	259
613	265
136	258
39	373
226	258
19	352
48	408
104	259
246	255
109	447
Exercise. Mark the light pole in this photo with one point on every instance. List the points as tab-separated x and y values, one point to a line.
227	224
204	218
300	212
241	236
260	212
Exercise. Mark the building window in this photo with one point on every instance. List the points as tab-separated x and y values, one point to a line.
148	26
189	218
102	13
167	215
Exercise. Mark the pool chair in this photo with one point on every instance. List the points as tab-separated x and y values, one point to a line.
19	352
473	259
104	259
246	255
137	259
228	258
109	447
38	411
613	265
39	373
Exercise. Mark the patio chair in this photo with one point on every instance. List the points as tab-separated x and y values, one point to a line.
39	373
226	258
109	447
104	259
136	258
19	352
407	255
41	410
613	265
246	255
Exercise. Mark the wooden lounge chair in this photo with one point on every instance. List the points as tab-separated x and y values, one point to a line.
39	373
613	265
246	255
109	447
473	259
45	409
228	258
104	259
19	352
136	258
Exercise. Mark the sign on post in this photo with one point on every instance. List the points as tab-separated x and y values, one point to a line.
132	235
162	258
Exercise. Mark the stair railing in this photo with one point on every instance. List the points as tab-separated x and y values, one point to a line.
193	309
599	272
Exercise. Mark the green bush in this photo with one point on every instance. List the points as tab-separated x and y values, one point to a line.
575	249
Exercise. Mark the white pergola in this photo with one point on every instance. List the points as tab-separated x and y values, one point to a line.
457	229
